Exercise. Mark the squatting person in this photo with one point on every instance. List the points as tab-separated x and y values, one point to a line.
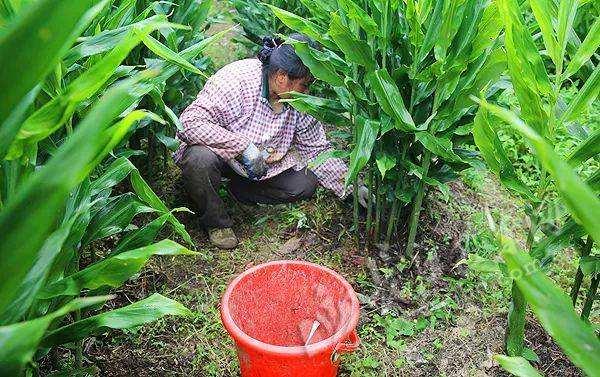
237	128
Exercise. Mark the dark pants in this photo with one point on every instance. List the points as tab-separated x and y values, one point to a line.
202	171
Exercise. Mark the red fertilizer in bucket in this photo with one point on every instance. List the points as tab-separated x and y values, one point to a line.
291	319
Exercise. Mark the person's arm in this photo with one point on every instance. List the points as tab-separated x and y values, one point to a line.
310	141
205	120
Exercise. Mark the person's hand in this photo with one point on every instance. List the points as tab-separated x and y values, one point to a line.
363	196
254	162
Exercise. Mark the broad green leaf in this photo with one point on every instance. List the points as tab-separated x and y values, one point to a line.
567	9
36	277
169	55
548	247
136	314
322	70
584	97
140	237
590	265
362	150
432	34
318	108
385	162
542	11
517	366
113	217
302	25
54	25
20	341
107	40
60	109
322	157
452	16
528	73
495	156
112	271
589	148
358	15
439	146
29	217
579	198
355	50
554	309
587	48
389	97
11	126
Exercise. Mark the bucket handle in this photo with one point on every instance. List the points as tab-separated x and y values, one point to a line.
349	345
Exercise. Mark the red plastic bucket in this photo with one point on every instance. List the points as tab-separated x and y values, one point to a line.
269	311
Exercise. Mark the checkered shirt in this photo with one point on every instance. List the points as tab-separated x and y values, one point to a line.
231	111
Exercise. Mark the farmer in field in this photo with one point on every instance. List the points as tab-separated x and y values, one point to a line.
237	128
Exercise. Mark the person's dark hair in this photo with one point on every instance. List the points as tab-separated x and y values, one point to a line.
275	55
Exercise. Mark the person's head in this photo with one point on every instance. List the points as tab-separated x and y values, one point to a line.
285	70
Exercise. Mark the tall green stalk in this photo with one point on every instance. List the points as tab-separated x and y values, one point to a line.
585	251
416	211
589	300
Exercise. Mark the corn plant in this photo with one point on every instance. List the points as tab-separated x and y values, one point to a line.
542	114
258	22
402	72
64	125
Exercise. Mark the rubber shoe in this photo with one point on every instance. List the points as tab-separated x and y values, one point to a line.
223	238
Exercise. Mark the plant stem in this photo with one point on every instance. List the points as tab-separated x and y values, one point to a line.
515	333
416	211
393	215
369	225
589	300
355	205
379	207
585	251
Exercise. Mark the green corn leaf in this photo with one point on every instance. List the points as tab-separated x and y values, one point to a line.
589	148
11	126
528	73
389	97
584	97
433	33
548	247
302	25
113	217
579	198
590	265
567	9
542	12
517	366
19	341
554	309
452	16
362	150
439	146
495	156
112	271
356	51
587	48
54	25
29	217
140	237
323	70
108	39
168	54
136	314
385	162
36	277
325	110
358	15
59	110
324	156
